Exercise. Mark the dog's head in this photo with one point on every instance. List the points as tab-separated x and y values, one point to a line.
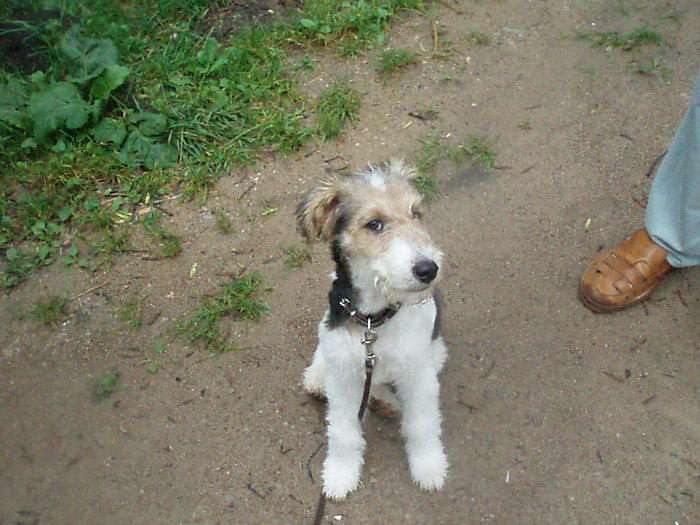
375	218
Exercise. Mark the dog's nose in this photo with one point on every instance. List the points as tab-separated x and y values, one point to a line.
425	270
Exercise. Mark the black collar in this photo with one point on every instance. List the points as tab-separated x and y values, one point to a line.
369	321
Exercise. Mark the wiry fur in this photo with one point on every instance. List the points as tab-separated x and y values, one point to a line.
375	269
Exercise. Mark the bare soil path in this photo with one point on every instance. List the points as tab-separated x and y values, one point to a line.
551	414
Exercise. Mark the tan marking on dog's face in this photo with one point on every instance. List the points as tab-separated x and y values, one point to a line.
380	214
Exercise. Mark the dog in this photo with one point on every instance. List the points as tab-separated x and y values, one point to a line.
386	269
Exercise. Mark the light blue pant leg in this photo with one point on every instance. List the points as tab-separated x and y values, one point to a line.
673	210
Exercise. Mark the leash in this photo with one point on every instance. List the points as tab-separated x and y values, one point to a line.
368	339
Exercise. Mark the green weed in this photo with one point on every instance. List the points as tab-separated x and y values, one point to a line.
426	113
525	125
169	244
434	149
633	40
478	38
480	151
50	311
305	64
236	299
350	25
338	104
105	386
427	186
223	222
651	66
296	258
391	60
130	312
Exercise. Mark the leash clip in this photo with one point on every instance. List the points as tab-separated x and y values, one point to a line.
370	337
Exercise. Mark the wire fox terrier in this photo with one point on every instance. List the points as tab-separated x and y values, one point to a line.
386	266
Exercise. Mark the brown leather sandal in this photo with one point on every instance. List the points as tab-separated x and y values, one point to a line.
623	275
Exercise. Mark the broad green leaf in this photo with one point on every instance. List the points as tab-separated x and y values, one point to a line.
150	124
29	143
37	77
13	96
89	56
110	79
44	251
60	146
65	213
109	130
60	105
39	227
144	150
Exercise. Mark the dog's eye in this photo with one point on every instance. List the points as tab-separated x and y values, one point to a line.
416	214
375	225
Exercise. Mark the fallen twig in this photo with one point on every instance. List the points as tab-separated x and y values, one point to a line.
613	376
88	291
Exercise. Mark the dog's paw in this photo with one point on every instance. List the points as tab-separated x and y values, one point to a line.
314	382
339	478
317	396
429	469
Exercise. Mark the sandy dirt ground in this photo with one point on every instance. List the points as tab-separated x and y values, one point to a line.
552	414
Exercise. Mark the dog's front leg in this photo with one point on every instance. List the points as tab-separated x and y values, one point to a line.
341	469
420	426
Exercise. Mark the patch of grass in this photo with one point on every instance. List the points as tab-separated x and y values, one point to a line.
17	265
426	113
480	151
112	243
392	60
337	106
442	47
130	312
307	64
169	244
105	386
633	40
478	38
350	25
651	66
296	258
673	17
50	311
525	125
427	186
223	222
236	299
163	106
434	149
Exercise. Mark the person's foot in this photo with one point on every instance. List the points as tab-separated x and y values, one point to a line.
623	275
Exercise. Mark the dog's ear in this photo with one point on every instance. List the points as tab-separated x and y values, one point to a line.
318	213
